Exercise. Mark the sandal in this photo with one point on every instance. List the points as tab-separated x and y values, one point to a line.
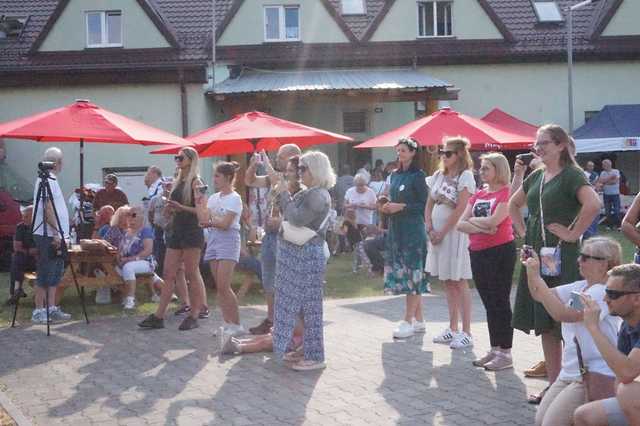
536	399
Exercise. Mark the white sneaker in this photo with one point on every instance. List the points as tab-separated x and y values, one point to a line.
129	302
235	330
57	314
155	298
445	337
461	340
403	330
39	316
419	326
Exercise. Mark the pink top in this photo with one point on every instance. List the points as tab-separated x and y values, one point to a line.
484	204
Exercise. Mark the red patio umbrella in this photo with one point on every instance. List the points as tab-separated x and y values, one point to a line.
83	122
501	118
255	131
430	130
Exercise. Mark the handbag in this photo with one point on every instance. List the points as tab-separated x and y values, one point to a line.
550	259
597	386
300	235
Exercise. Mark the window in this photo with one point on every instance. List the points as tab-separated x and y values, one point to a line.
434	19
588	115
104	29
281	23
353	7
354	121
547	11
11	26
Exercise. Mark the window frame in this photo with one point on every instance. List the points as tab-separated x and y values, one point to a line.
424	3
104	34
282	36
364	9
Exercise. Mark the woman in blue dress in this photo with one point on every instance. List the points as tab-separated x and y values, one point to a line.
406	243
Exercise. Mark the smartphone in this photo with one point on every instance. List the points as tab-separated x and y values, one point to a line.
525	158
576	301
527	252
203	189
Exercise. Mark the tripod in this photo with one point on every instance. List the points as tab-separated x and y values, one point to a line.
44	196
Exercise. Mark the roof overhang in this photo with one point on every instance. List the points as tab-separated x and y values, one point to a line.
396	84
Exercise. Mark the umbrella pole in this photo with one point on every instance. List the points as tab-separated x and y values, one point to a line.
79	226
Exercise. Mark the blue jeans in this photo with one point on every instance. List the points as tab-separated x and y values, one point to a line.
251	264
49	268
612	209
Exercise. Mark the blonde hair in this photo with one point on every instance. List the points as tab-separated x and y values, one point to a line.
320	169
460	145
605	247
188	177
559	136
115	219
501	164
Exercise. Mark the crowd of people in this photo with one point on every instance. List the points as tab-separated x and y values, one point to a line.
574	289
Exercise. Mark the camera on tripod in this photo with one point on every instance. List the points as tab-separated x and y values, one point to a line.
46	166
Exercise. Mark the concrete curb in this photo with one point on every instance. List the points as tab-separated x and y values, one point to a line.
14	412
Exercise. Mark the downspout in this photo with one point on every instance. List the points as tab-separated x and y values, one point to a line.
184	105
211	72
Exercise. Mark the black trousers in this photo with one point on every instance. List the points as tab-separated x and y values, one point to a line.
374	248
492	273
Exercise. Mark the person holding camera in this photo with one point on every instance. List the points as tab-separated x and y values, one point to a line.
561	206
223	243
486	220
564	304
276	181
49	240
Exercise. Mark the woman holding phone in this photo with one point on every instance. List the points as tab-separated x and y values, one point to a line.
561	206
184	240
563	303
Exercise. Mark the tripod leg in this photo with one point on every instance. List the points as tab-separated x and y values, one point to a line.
46	307
80	291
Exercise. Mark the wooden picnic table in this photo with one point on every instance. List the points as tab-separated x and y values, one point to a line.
86	262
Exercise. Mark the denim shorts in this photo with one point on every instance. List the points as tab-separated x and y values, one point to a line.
49	270
615	416
223	245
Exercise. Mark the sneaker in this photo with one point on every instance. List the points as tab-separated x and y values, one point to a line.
307	365
403	330
538	370
39	316
501	361
188	323
155	298
227	345
461	340
263	328
445	337
151	321
204	313
480	362
57	314
185	309
294	356
129	302
419	326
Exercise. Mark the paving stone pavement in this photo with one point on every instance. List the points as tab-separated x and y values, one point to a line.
112	373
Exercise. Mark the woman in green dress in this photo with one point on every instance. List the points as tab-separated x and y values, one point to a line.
406	243
561	206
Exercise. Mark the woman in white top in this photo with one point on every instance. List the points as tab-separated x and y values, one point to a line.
597	256
361	199
448	251
223	243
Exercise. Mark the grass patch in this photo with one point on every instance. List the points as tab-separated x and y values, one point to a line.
341	283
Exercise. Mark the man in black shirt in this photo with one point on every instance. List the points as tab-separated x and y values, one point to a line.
23	258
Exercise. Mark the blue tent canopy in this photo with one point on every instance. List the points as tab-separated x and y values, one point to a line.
615	128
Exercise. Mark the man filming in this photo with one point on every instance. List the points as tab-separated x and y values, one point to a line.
48	238
623	300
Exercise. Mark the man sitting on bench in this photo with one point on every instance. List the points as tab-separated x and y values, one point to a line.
24	255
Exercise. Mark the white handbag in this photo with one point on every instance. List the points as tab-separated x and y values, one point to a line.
300	235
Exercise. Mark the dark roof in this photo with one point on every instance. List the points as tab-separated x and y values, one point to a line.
188	31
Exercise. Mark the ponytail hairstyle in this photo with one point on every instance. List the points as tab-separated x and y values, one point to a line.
460	145
228	169
560	137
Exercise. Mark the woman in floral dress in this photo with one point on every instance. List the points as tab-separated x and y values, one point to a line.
406	244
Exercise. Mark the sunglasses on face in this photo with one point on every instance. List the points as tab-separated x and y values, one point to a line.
447	154
302	169
616	294
178	157
584	257
133	215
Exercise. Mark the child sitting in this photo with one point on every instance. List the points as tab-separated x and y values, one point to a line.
356	240
24	255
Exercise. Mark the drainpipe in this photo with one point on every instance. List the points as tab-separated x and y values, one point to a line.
184	105
211	73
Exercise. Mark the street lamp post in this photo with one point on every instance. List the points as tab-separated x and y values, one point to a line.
569	11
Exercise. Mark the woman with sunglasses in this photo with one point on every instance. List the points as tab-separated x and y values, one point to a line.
448	253
406	243
561	206
223	244
300	268
563	303
184	240
486	220
135	256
